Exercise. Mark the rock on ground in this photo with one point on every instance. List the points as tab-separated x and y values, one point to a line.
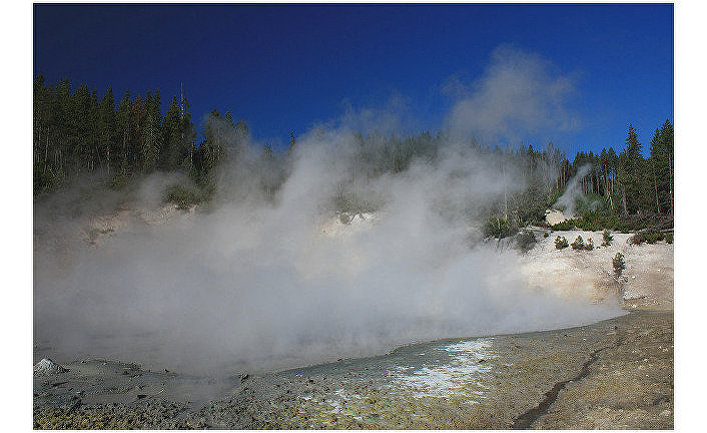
613	374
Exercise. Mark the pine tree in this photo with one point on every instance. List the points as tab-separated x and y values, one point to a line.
187	140
106	129
291	145
607	173
60	127
124	124
633	175
137	144
151	134
242	135
212	149
44	177
77	134
229	145
92	121
169	157
666	140
654	163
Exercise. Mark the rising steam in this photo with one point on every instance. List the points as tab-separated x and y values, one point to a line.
256	279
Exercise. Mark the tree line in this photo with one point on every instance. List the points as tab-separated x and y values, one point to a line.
75	133
628	182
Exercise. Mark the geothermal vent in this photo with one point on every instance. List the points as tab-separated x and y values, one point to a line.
47	367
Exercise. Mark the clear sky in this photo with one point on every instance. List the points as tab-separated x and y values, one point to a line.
286	68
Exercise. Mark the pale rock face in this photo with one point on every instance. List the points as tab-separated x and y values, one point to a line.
348	223
554	216
99	229
647	279
47	367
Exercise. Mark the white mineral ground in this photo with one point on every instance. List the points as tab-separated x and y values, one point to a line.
647	279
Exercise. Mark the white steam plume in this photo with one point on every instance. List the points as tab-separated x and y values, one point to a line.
254	282
518	93
568	200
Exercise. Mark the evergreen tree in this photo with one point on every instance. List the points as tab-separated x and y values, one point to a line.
92	121
151	134
606	168
171	136
60	127
187	140
291	145
633	175
212	149
75	132
654	163
124	125
242	135
661	163
106	129
137	144
44	177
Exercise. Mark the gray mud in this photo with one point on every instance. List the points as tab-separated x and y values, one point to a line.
613	374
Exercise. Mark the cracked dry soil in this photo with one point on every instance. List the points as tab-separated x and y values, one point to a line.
615	374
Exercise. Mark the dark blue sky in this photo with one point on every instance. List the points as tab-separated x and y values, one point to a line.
286	67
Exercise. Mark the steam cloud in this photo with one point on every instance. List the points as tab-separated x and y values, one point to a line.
568	200
255	282
518	93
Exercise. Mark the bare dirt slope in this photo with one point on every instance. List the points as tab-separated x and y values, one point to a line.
648	277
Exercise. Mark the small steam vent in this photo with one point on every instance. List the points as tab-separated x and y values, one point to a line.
47	367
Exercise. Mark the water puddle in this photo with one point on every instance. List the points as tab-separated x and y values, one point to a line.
457	368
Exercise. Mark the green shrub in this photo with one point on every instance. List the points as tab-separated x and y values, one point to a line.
183	196
669	238
591	203
499	228
601	219
588	225
525	240
561	243
578	243
597	220
652	238
589	246
564	225
649	236
118	182
546	234
607	238
530	207
594	220
619	264
637	239
44	181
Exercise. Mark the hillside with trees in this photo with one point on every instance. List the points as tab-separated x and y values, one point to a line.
76	133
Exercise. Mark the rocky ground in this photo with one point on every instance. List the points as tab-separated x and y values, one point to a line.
613	374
